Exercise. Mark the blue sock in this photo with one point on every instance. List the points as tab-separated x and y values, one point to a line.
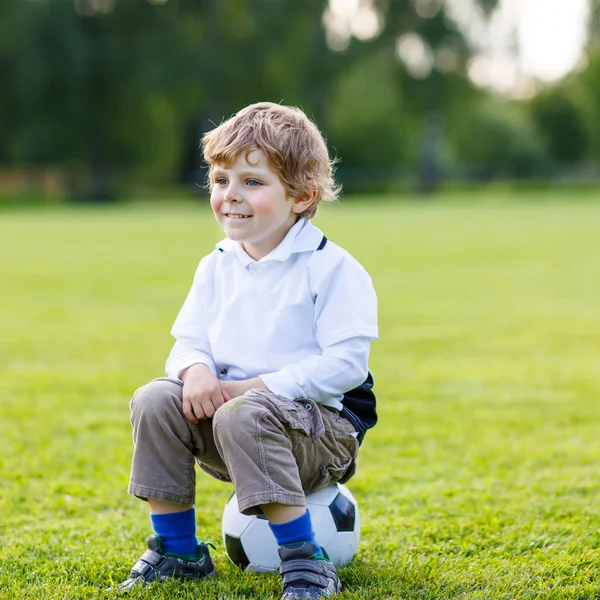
177	532
296	531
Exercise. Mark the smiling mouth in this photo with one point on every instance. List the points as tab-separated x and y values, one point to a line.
237	216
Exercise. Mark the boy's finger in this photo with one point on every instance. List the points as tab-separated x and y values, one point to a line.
188	411
199	411
209	408
218	400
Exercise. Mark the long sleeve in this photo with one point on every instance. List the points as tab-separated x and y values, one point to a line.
345	322
192	345
340	368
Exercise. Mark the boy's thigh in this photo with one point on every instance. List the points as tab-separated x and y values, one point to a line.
201	436
321	445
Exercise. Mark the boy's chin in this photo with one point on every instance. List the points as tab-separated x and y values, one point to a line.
236	236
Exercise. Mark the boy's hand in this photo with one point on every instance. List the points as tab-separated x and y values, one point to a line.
202	393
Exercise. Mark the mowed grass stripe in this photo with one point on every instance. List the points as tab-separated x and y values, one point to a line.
480	481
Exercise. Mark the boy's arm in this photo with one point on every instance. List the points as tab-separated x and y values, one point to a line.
186	352
192	345
239	388
345	324
191	357
340	368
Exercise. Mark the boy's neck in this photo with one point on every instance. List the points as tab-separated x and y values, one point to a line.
258	251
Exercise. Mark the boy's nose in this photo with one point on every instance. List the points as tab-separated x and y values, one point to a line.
232	197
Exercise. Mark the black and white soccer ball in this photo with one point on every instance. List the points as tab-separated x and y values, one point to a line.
250	544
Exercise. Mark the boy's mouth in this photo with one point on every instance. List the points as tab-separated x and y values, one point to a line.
237	216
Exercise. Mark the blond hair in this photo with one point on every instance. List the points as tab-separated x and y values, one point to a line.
294	146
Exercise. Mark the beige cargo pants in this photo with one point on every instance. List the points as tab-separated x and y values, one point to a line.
272	449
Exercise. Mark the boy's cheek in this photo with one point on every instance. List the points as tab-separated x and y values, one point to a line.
263	205
215	203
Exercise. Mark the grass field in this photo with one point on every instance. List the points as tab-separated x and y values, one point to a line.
482	479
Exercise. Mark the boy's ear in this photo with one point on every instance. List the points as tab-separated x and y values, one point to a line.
304	201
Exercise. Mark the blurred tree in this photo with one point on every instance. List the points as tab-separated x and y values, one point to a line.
498	139
85	85
119	85
561	121
567	114
366	122
586	86
124	82
426	75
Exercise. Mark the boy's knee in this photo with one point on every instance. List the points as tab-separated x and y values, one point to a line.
155	400
234	415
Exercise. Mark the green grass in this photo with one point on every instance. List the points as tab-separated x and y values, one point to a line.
480	482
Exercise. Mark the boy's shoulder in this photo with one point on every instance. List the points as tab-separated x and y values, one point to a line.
333	256
333	252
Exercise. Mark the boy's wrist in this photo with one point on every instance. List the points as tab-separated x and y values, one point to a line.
195	369
257	383
239	388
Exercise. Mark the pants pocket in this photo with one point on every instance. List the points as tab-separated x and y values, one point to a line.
337	470
301	414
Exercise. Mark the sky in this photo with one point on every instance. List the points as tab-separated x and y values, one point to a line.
549	36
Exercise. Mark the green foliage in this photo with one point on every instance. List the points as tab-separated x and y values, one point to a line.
134	87
561	121
498	138
586	85
85	92
567	114
357	131
480	481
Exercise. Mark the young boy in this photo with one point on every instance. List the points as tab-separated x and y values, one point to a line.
267	384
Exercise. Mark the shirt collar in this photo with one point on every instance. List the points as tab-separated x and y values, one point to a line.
302	237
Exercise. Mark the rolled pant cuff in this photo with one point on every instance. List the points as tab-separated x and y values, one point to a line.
142	492
249	505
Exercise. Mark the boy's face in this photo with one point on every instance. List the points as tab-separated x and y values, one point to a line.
251	205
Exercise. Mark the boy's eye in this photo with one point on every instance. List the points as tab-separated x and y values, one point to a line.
253	182
220	181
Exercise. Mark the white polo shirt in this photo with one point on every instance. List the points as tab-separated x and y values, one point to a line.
300	318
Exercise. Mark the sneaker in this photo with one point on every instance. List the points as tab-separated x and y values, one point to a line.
307	575
155	565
